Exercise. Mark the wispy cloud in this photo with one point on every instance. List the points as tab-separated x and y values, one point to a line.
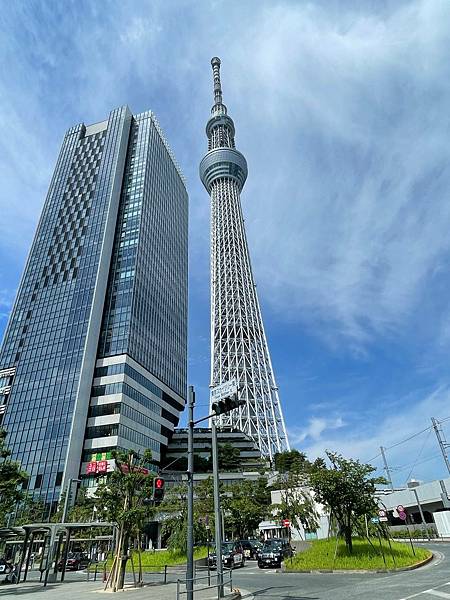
361	436
348	157
343	117
316	427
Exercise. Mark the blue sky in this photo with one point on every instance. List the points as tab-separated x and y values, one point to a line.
342	111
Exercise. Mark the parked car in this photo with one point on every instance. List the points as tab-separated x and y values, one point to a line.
273	553
5	566
232	555
75	561
251	548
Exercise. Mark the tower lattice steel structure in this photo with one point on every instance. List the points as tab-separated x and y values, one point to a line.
239	347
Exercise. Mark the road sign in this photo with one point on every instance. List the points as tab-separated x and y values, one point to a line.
375	520
286	523
402	515
400	508
381	513
224	390
384	519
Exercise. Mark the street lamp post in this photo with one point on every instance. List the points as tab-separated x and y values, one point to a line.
63	520
66	499
217	518
190	498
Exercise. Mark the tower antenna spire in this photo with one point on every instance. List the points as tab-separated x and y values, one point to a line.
215	62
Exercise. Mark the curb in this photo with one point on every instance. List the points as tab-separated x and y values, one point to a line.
368	571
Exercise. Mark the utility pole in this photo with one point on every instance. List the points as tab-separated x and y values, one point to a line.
217	516
441	441
386	468
190	498
419	506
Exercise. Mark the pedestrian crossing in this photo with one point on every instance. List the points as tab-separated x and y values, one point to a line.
441	591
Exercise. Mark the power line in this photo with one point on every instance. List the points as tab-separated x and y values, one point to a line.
409	438
418	456
424	460
375	457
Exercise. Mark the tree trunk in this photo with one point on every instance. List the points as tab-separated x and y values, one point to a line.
123	562
140	577
113	581
348	538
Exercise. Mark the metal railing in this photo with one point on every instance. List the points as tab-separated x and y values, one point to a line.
227	581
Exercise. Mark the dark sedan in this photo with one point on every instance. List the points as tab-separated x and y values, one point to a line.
251	548
273	553
232	555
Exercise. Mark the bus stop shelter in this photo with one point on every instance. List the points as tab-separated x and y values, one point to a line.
54	535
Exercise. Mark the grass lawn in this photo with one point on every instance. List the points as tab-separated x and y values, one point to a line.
155	560
321	555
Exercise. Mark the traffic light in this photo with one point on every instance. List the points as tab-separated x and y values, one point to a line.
227	404
158	489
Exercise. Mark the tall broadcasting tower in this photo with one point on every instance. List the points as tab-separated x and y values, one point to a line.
238	343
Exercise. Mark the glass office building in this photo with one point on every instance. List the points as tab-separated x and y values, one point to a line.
95	352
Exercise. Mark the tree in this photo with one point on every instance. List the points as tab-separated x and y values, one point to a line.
290	460
85	508
123	497
12	479
293	461
31	510
174	513
229	457
347	489
296	503
246	506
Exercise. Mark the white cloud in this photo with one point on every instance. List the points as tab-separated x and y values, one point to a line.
418	457
346	136
342	115
313	432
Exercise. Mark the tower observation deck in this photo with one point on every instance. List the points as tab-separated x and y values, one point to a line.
239	347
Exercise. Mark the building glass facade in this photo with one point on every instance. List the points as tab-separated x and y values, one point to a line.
105	286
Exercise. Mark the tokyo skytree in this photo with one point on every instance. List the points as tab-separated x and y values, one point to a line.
239	349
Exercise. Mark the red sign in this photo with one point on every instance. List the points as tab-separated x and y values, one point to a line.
100	466
286	523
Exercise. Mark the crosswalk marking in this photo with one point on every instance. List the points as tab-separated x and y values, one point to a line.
433	592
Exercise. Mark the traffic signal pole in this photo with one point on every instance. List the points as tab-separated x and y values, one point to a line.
190	498
217	519
224	404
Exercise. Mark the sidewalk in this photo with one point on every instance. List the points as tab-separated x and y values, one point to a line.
85	590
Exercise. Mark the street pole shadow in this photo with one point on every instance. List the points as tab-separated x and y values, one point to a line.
272	589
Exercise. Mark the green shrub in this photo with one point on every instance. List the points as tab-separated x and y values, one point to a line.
365	556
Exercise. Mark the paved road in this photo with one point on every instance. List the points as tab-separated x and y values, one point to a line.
427	583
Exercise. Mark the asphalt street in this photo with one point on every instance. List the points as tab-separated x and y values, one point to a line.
426	583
